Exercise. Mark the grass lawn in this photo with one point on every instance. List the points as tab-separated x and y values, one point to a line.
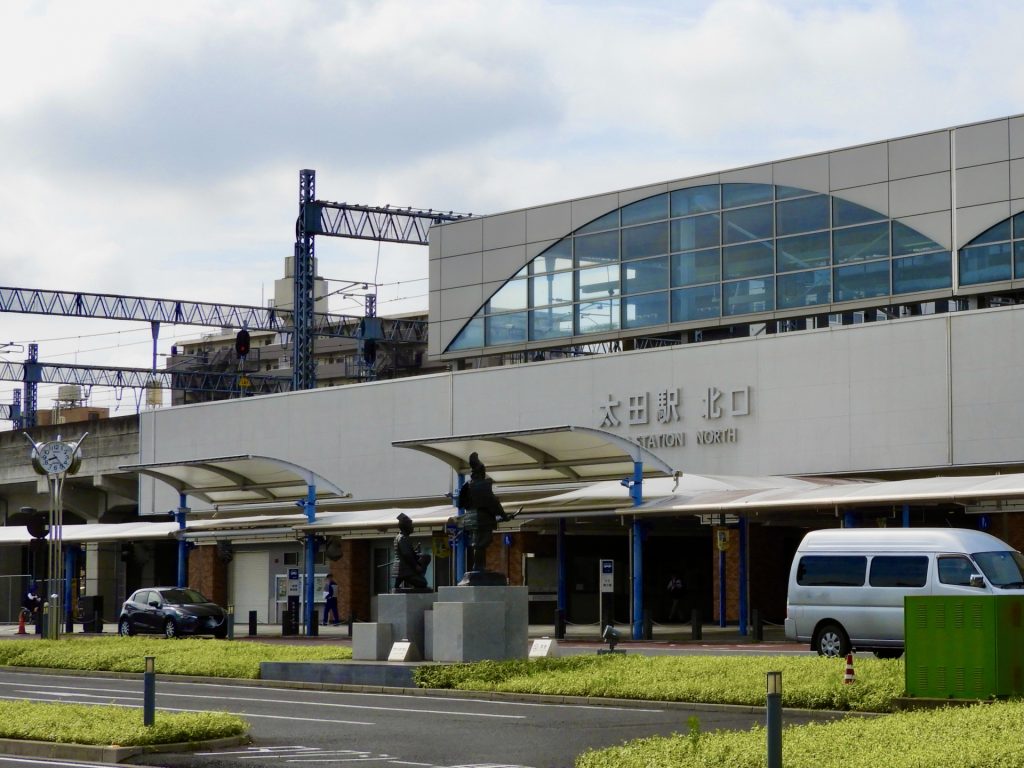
210	658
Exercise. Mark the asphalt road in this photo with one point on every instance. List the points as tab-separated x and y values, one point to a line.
292	726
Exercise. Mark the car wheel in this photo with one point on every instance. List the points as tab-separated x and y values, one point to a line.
831	640
124	628
170	629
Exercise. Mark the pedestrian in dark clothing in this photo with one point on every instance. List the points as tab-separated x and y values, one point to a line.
676	594
331	601
32	602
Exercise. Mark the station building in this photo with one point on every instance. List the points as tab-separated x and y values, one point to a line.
828	340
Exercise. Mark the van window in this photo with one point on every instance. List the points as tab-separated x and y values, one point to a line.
899	571
955	570
1003	569
831	571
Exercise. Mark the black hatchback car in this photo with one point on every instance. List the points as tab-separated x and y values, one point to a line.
172	612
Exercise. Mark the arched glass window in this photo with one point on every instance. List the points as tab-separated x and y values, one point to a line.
996	255
720	252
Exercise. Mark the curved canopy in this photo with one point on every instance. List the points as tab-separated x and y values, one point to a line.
566	453
239	479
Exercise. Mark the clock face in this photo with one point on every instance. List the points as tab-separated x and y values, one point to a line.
56	457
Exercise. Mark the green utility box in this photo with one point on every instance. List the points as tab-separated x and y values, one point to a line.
969	647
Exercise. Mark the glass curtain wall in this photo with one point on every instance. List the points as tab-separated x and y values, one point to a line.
715	252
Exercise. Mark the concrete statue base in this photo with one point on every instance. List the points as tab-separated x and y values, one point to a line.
480	622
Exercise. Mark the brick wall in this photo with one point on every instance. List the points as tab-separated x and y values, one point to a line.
352	572
208	574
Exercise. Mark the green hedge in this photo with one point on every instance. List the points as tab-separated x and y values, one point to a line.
110	725
981	736
810	682
211	658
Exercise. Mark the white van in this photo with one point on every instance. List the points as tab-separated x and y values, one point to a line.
846	586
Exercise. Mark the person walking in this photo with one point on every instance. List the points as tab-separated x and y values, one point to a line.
676	592
331	601
32	602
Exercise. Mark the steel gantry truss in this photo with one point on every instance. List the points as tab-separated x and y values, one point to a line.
318	217
38	301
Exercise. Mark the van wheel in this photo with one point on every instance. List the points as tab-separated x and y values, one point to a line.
831	640
889	653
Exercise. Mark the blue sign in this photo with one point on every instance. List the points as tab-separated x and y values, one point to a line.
293	573
507	539
607	566
983	522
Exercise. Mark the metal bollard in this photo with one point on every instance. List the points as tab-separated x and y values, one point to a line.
351	621
696	629
756	627
314	623
230	619
559	624
648	625
149	691
252	623
774	719
286	623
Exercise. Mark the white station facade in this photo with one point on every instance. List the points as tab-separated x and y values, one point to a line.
845	318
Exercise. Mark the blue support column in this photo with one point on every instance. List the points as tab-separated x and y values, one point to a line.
70	557
636	493
744	602
906	515
460	541
179	517
848	520
310	510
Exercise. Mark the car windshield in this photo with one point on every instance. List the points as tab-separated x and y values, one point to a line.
1003	569
182	597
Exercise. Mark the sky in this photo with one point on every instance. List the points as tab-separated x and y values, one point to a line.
154	149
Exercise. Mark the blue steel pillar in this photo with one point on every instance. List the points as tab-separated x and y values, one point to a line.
849	521
906	515
460	540
70	557
179	517
310	509
636	493
744	602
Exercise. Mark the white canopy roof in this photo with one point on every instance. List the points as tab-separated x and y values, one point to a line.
18	534
566	453
786	494
239	479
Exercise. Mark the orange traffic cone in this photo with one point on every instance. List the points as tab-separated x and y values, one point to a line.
848	677
21	623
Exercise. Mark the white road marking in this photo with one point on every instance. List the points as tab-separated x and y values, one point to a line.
225	711
107	692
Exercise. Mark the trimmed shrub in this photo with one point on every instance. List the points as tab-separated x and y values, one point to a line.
810	682
110	725
982	736
211	658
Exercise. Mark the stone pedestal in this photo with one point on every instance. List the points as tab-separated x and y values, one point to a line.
469	631
404	612
477	623
371	641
